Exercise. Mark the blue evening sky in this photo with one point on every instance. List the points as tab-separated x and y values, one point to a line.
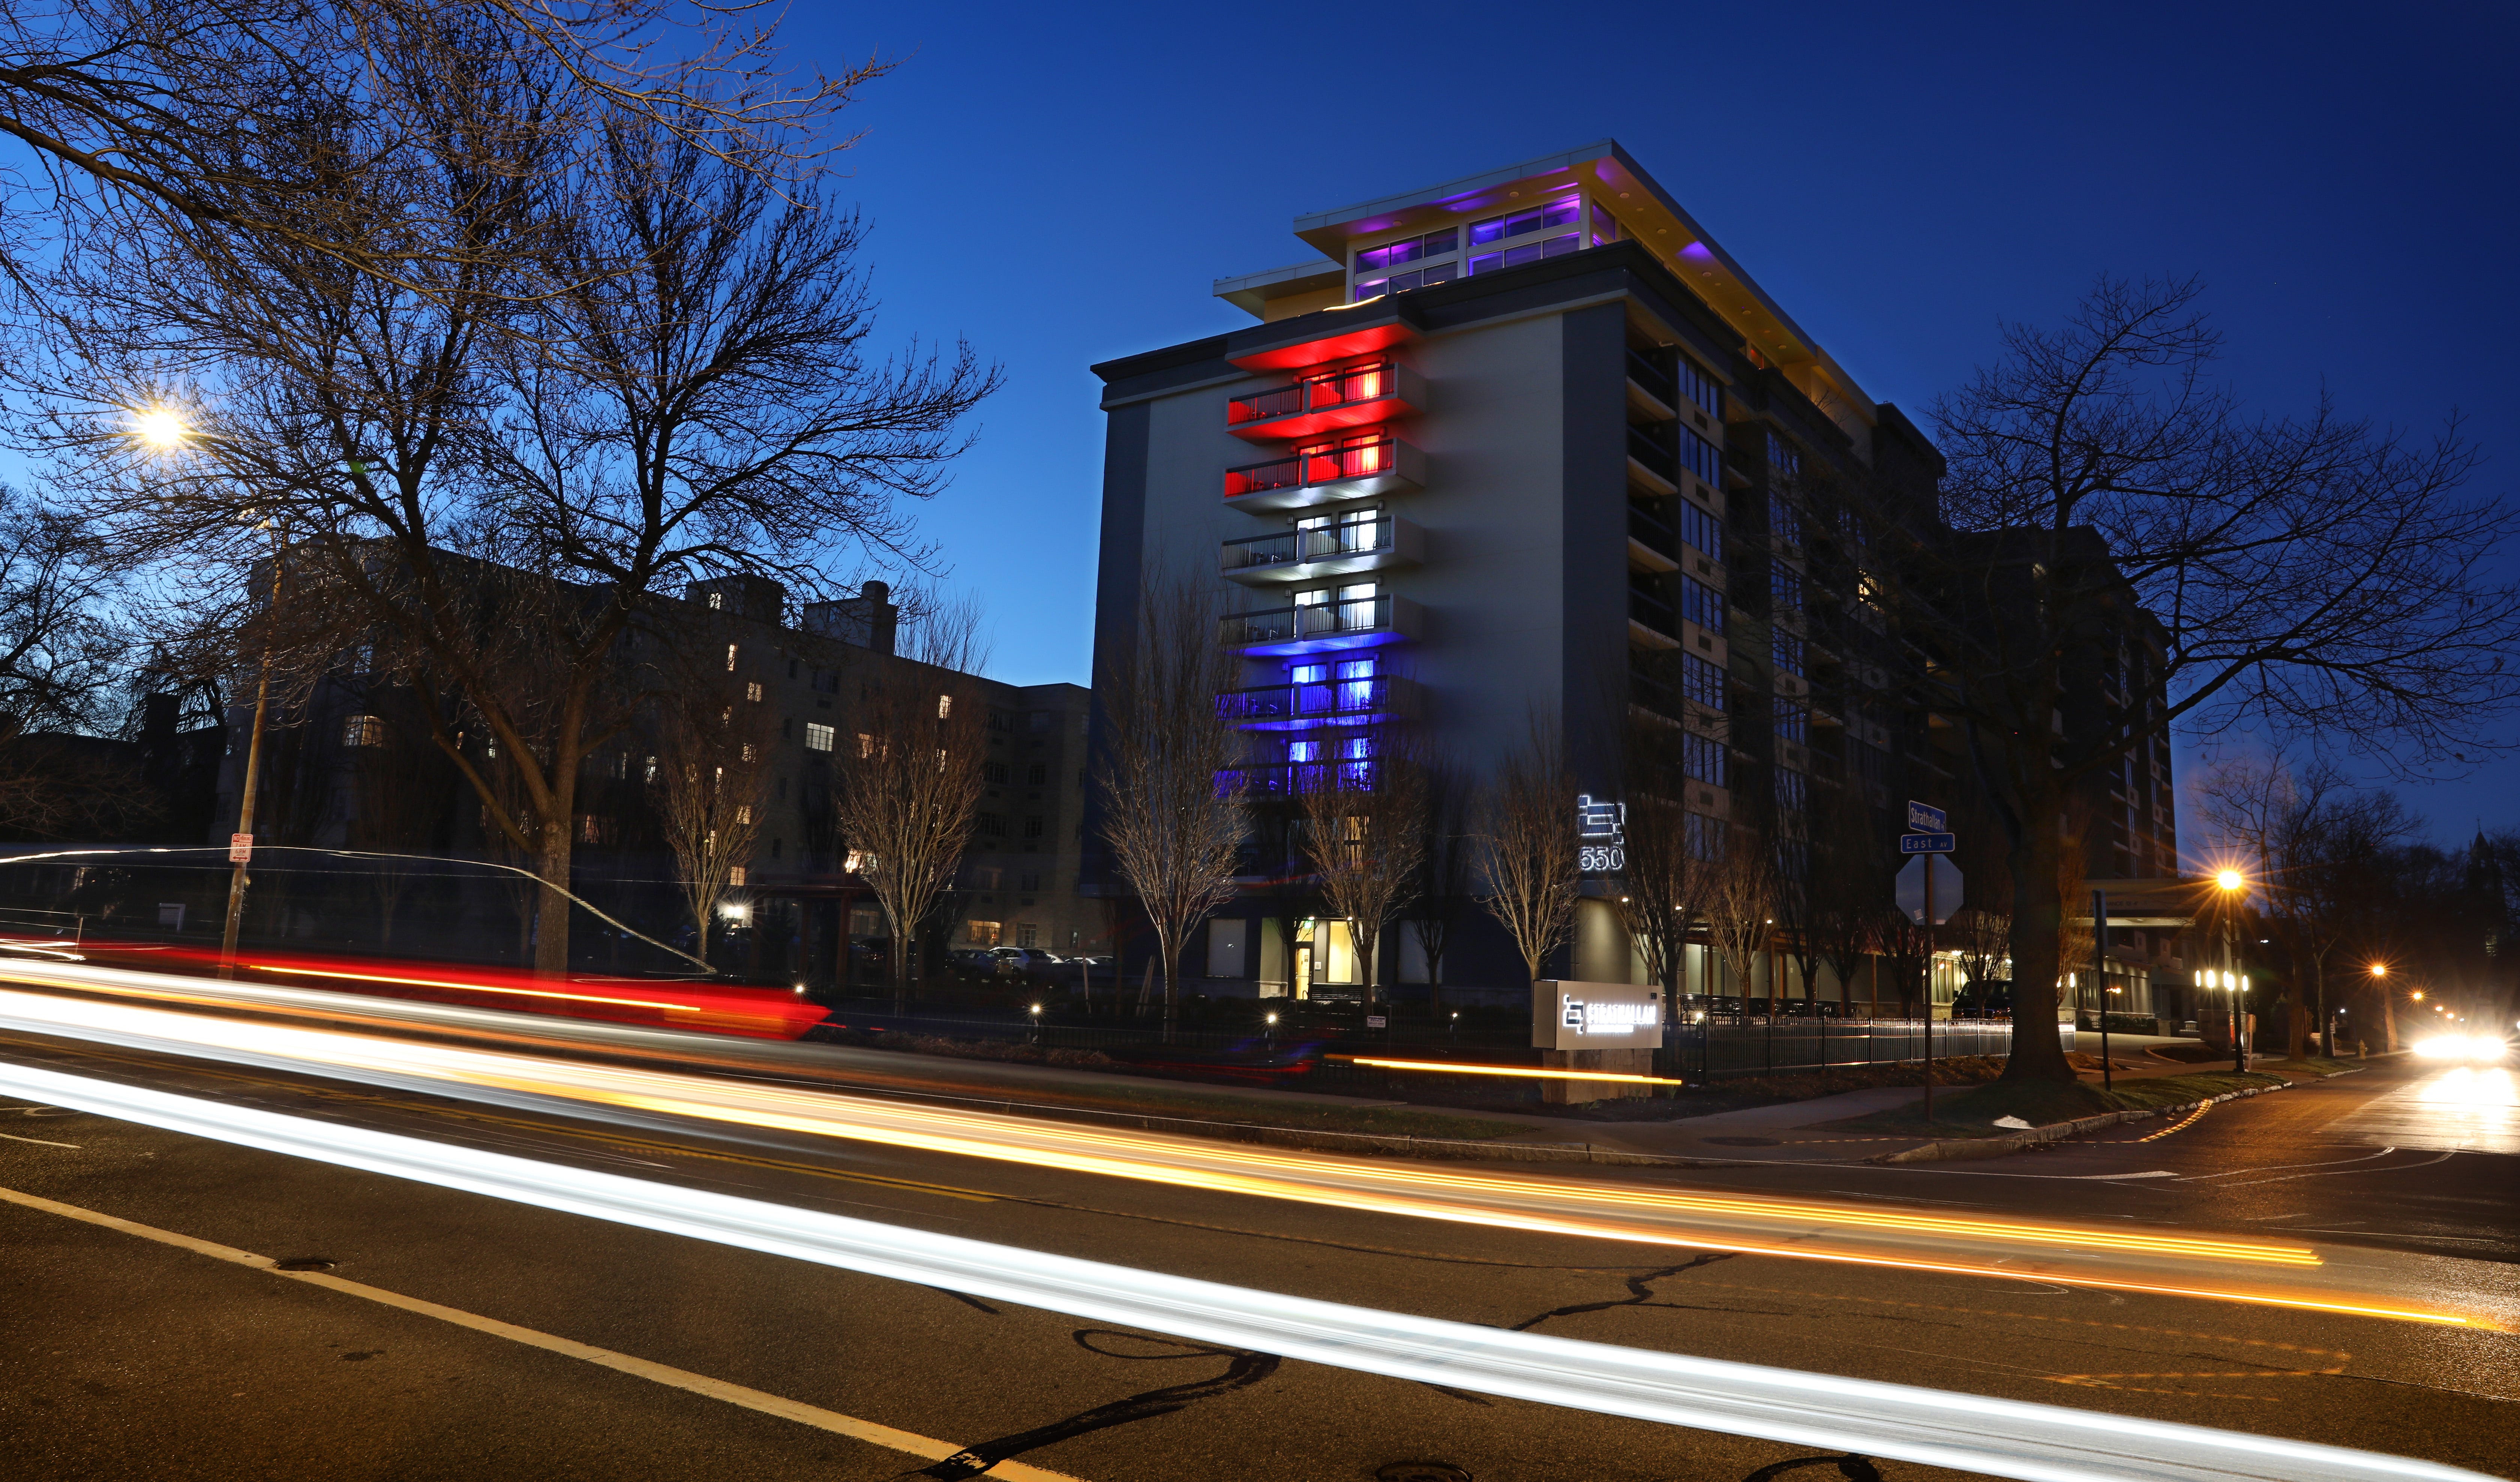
1061	184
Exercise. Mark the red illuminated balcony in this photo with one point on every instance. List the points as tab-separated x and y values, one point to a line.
1355	397
1354	469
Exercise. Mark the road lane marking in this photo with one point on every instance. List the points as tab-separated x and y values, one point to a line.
925	1446
44	1141
2180	1125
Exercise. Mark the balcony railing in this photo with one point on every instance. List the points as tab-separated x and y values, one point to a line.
1653	615
1350	546
1653	377
1322	475
1294	779
1651	531
1654	452
1319	404
1318	627
1328	702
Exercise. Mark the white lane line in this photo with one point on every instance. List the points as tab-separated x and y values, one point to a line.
42	1141
923	1447
2232	1173
2343	1172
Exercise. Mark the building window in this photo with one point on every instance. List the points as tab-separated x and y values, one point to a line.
1392	254
1699	457
1705	837
1401	283
1792	791
995	772
774	848
944	708
1699	528
1539	218
716	600
1701	604
866	745
1784	521
1032	827
1703	759
1039	774
1701	681
749	752
1530	251
1027	934
735	875
730	656
363	731
993	825
1793	722
744	813
649	771
752	690
1784	461
981	934
1787	649
1699	387
596	828
1028	883
818	737
1785	587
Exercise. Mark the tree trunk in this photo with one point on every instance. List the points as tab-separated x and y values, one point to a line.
550	923
1165	950
2038	1056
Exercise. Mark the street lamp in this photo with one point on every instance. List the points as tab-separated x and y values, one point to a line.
2231	882
168	432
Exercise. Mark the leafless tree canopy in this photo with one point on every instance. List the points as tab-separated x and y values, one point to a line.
2316	578
1742	910
1367	837
1527	852
908	789
197	111
1669	883
1171	811
708	797
612	357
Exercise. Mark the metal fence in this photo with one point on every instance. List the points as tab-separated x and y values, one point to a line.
1754	1046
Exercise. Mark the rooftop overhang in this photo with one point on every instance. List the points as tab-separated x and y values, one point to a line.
1656	218
1252	292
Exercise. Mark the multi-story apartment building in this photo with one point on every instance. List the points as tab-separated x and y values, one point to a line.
1527	446
800	914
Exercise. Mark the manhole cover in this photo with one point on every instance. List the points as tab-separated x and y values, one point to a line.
1420	1471
1744	1142
304	1263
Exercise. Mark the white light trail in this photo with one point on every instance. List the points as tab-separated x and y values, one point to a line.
2006	1438
2120	1257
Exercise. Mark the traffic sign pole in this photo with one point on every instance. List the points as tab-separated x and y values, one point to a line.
1929	981
2101	977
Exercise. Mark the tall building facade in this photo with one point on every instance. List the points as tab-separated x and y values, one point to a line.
1529	446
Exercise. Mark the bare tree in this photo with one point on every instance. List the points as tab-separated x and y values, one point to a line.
193	111
1367	837
1172	803
397	796
908	784
1854	888
646	369
1527	850
1443	867
1741	909
2314	576
1670	875
708	795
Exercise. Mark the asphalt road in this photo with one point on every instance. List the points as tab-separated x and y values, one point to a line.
130	1356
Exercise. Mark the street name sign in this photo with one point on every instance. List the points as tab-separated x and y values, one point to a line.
1925	820
1926	843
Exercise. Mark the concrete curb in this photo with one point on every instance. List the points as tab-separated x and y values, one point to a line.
1954	1148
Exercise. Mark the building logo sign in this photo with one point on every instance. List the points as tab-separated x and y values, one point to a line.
1586	1017
1601	836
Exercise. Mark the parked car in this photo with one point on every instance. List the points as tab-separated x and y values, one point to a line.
1024	962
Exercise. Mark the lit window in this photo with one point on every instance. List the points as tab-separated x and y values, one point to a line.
748	752
1530	251
866	745
1392	254
716	600
650	774
944	706
1549	213
735	875
1401	283
363	731
817	739
752	690
981	934
744	813
730	658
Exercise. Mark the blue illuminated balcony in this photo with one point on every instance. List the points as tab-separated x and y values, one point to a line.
1352	546
1367	622
1358	468
1325	702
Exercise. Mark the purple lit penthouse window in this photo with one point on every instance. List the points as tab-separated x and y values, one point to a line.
1539	218
1392	254
1529	251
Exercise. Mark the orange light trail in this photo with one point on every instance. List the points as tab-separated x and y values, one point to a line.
2119	1258
1450	1067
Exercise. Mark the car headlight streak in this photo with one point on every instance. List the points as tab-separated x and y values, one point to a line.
2006	1438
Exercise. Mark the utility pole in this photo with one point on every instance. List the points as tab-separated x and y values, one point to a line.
2099	976
241	843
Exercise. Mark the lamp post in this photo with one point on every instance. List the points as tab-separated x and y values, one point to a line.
166	431
2231	882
